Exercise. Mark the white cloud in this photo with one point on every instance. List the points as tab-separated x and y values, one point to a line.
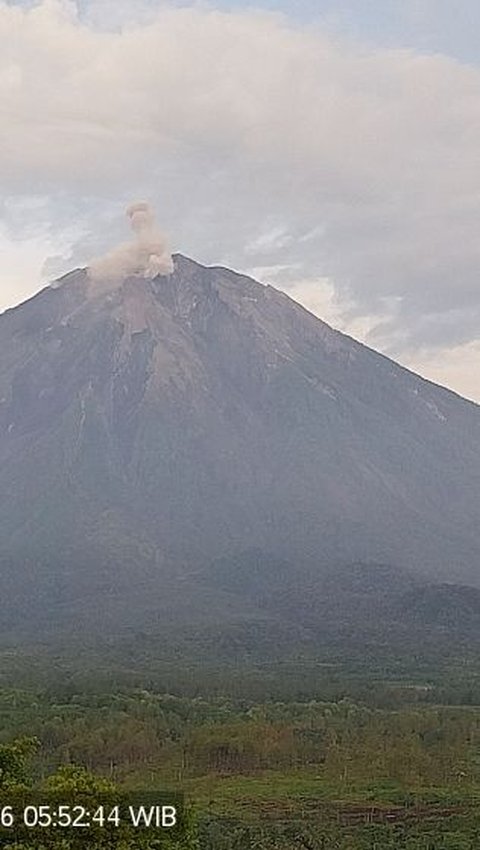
456	367
20	267
263	145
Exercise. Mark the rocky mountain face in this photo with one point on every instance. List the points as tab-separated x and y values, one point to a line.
155	428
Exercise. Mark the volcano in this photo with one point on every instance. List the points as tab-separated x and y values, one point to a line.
156	427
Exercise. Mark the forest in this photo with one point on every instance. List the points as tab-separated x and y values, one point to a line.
323	756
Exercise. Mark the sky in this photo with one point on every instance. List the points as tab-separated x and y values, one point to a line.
331	149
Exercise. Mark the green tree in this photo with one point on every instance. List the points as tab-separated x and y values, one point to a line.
14	762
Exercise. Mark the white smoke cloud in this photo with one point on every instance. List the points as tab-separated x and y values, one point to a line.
146	255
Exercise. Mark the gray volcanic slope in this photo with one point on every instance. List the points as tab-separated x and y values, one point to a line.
149	429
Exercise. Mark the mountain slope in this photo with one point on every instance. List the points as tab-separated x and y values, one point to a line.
149	429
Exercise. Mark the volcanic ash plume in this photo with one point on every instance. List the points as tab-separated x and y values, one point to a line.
147	255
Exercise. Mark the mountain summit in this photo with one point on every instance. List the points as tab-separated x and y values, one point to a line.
152	428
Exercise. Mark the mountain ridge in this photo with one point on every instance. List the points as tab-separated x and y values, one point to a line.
80	274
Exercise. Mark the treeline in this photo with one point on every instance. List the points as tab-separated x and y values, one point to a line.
141	736
378	678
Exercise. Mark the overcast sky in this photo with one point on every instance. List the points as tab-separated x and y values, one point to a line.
329	148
